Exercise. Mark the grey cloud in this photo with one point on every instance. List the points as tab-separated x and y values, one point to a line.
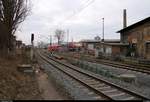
47	15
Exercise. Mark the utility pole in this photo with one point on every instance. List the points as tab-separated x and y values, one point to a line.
72	39
103	34
101	42
103	29
32	46
67	37
50	39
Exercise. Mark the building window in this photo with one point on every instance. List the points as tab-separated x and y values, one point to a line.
108	50
141	35
90	46
124	38
147	47
148	31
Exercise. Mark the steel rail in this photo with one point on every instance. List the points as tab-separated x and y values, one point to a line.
124	66
145	70
104	81
69	74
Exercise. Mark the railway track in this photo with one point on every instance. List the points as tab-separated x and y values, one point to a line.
125	66
136	68
103	88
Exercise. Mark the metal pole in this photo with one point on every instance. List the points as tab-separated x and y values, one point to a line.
32	46
50	39
103	28
32	51
103	33
67	37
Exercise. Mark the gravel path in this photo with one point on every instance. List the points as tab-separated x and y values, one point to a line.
47	88
68	85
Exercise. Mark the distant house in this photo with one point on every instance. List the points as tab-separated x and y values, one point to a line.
89	44
138	38
109	47
106	47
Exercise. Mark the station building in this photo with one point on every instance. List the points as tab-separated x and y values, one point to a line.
108	47
137	37
89	46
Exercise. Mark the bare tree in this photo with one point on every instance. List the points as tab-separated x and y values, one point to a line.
59	34
12	13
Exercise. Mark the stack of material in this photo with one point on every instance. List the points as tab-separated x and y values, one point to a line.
128	78
25	68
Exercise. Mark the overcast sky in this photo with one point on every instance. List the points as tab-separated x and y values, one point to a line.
83	18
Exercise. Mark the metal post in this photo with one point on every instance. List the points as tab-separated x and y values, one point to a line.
67	38
103	28
103	33
32	51
32	45
50	39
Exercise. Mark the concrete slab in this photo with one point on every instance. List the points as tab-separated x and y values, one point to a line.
25	68
128	78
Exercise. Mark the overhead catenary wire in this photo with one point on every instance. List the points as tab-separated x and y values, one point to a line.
84	2
85	5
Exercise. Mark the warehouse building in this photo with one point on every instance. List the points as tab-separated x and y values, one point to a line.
108	47
89	46
138	37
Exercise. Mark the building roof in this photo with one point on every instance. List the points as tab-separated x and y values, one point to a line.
98	41
135	25
117	44
147	42
111	40
90	41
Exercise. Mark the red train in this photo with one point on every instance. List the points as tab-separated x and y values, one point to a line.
53	47
71	47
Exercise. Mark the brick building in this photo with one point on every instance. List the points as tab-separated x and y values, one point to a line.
89	46
138	38
112	48
108	47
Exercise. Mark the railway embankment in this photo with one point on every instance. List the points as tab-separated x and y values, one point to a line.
74	72
140	83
